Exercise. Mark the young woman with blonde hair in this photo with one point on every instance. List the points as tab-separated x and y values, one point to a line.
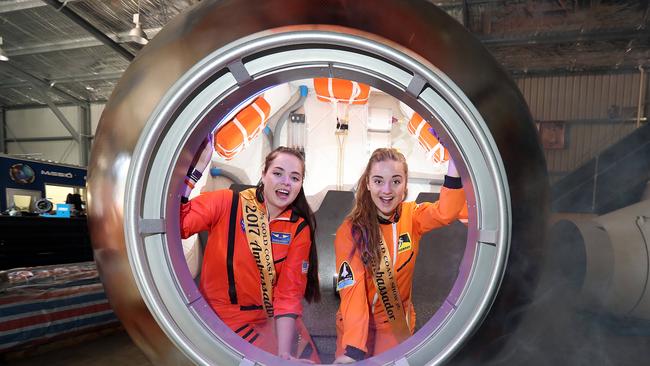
376	247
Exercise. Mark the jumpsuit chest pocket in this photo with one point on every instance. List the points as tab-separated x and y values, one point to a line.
405	251
280	252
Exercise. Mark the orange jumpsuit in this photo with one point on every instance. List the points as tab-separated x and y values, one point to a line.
361	322
243	313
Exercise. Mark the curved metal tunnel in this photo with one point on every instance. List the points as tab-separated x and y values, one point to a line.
606	260
208	61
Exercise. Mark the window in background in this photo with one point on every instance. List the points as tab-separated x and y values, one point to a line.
57	194
22	198
23	203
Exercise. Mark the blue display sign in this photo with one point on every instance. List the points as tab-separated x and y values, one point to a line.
34	175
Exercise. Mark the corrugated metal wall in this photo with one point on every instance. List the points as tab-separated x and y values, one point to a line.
597	110
38	133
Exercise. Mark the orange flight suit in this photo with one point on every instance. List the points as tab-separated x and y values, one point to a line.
243	313
361	322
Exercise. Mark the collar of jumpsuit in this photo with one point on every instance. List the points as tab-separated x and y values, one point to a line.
394	217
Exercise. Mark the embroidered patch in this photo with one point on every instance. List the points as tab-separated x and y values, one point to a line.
305	266
346	277
243	228
404	243
280	238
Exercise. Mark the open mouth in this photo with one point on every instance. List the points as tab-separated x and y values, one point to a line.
282	193
386	201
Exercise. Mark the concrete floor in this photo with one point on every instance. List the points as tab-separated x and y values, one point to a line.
107	348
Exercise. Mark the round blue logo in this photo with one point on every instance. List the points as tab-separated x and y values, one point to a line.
22	173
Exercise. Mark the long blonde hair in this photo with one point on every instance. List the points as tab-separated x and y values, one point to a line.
363	217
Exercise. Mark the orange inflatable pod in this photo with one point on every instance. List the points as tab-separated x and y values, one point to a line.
419	128
235	135
341	91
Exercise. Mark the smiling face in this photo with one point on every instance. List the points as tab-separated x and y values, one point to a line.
387	185
282	182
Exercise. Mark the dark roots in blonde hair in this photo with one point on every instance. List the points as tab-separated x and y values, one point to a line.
363	217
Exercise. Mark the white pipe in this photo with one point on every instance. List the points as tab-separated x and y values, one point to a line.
641	93
617	261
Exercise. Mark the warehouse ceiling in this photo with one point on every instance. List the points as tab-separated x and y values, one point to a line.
74	51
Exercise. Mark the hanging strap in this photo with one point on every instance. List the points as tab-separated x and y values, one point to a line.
385	281
259	241
232	291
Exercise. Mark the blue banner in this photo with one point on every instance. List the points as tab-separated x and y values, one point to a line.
34	175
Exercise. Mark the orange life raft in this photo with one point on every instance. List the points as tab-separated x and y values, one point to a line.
420	129
236	134
341	91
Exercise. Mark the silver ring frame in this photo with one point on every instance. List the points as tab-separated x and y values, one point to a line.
210	92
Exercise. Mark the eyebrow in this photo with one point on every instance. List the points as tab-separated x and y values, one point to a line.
382	177
280	168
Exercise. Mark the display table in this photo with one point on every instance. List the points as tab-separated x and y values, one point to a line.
46	303
27	241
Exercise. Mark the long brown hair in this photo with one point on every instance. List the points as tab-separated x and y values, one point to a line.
363	217
301	207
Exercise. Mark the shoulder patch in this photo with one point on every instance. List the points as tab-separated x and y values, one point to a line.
243	227
280	238
404	243
305	267
346	277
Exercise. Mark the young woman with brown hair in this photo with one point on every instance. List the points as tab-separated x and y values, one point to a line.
260	260
376	247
